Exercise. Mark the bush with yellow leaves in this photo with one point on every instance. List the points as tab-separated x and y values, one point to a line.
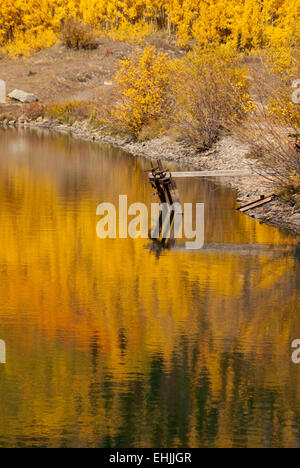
144	83
211	91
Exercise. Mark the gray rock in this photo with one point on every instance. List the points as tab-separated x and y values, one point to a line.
22	96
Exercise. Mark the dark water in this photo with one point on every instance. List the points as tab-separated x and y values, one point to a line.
109	346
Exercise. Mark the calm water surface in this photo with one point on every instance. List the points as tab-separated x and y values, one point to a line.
110	346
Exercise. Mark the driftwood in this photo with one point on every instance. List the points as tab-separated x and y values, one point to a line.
255	204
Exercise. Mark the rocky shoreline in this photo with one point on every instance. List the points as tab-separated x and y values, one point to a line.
227	154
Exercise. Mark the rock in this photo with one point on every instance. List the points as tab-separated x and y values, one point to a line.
22	96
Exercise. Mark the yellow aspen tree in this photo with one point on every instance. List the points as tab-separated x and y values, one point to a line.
245	24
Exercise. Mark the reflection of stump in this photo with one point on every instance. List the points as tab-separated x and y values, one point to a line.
2	352
166	190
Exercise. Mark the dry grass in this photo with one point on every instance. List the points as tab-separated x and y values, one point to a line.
10	111
69	111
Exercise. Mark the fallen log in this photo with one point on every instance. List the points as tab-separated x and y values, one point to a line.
262	201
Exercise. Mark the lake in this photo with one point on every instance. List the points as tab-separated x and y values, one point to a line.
109	344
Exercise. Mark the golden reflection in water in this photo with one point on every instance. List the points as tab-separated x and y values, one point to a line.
108	346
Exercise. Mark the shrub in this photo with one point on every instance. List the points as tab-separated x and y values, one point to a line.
211	91
143	90
153	129
284	66
274	147
278	159
35	110
273	125
69	111
78	35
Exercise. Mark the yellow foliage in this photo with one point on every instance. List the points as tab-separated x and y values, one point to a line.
285	110
284	59
127	32
24	43
246	24
144	82
284	65
211	91
69	111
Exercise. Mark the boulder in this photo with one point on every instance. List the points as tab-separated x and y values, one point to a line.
22	96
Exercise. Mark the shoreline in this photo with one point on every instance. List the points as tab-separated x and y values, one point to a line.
227	154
